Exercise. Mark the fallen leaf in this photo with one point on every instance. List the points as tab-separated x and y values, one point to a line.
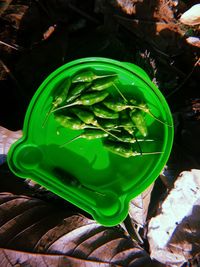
195	41
14	258
138	207
129	7
191	16
174	234
148	11
4	5
195	262
14	14
164	37
7	138
34	232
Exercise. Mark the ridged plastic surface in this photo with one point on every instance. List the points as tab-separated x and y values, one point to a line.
84	172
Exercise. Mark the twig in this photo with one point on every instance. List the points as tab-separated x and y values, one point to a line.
45	10
163	53
168	184
82	13
185	80
12	77
9	45
131	230
49	32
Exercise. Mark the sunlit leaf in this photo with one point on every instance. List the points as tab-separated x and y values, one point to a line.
7	138
174	234
191	16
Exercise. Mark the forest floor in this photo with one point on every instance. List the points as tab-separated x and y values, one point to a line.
37	37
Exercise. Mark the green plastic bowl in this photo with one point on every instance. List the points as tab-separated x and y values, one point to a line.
84	172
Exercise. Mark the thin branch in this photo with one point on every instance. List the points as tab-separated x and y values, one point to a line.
131	230
185	80
12	77
9	45
45	11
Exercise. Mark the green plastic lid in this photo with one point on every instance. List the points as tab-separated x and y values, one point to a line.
84	172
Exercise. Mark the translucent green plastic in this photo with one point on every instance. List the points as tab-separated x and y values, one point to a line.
84	172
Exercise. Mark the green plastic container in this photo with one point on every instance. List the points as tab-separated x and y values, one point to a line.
84	172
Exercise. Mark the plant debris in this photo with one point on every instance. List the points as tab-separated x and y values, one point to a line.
33	232
173	233
191	16
162	37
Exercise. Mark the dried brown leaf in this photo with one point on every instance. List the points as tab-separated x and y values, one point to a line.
164	37
53	236
138	208
194	262
14	258
4	5
194	41
174	234
153	10
14	14
11	16
7	138
128	7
